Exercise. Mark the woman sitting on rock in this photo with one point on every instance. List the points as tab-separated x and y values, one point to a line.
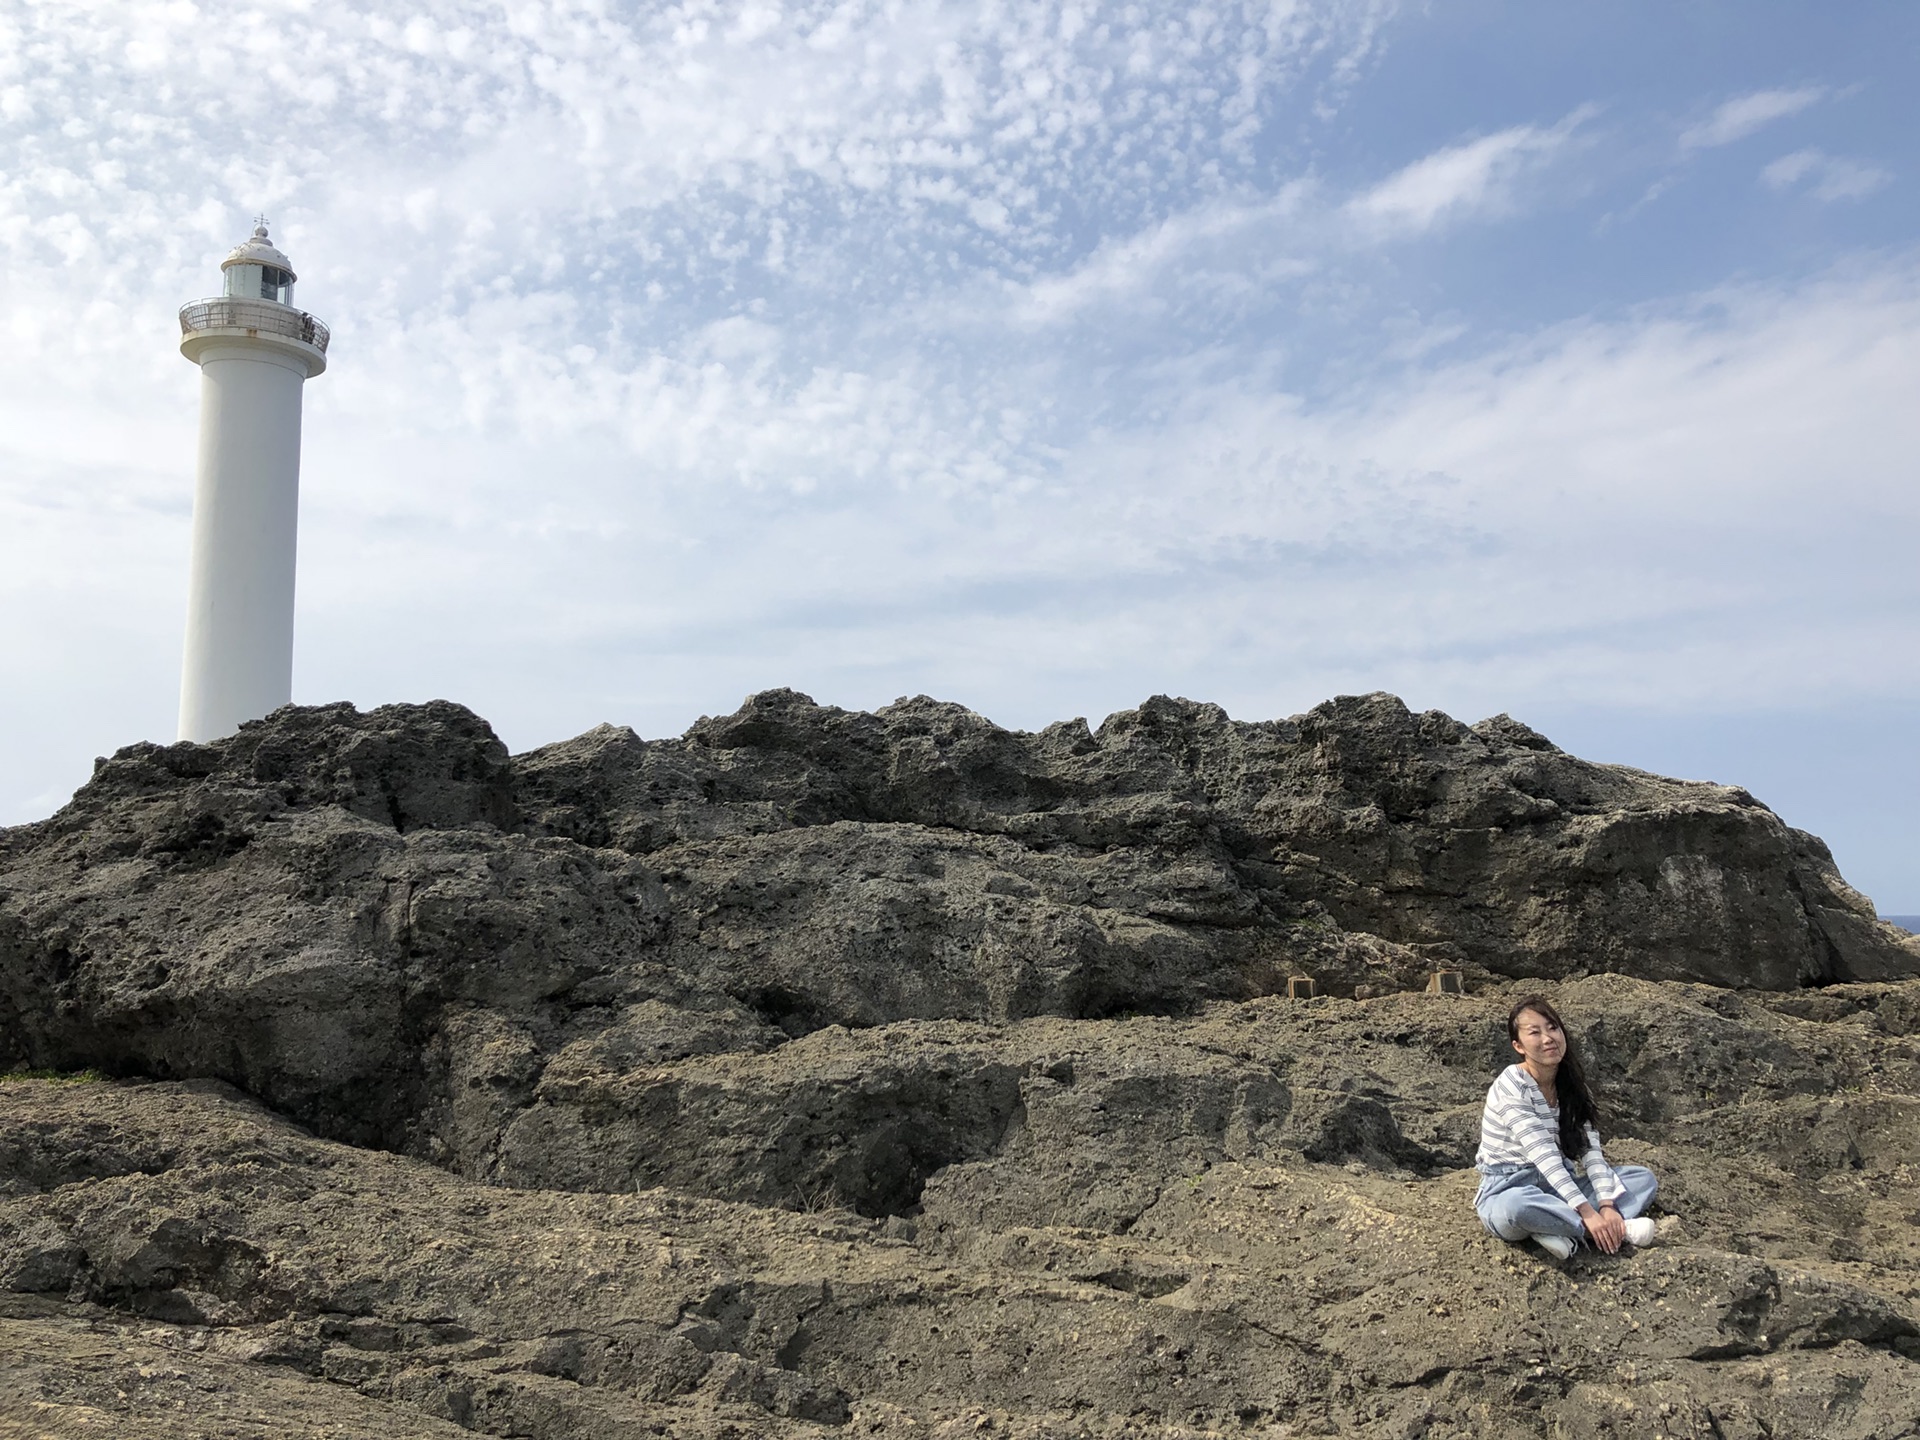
1540	1114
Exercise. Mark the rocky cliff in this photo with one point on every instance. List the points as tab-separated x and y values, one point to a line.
820	1070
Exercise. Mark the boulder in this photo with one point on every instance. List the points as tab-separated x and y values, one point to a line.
386	927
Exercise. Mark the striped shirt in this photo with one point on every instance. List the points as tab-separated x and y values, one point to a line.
1518	1127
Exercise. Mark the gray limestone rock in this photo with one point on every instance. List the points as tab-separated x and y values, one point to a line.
898	1071
387	928
1255	1216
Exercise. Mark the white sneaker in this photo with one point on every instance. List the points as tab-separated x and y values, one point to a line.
1558	1246
1642	1232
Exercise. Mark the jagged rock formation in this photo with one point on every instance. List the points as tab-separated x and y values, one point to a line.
949	1065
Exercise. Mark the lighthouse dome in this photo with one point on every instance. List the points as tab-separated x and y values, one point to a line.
255	270
257	249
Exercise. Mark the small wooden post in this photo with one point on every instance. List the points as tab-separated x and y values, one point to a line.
1300	987
1446	982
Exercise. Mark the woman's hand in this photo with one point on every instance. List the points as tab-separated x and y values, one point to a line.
1605	1226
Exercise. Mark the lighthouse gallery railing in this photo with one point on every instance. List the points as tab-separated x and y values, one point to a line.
226	313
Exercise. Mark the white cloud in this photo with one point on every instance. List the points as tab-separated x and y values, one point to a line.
1827	177
1246	238
1741	116
1704	503
1462	180
961	120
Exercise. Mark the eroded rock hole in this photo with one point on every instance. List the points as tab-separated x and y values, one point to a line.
890	1145
789	1010
1128	1004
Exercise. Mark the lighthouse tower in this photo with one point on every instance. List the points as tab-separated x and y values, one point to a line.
255	353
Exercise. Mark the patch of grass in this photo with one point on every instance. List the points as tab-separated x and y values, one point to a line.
62	1077
818	1199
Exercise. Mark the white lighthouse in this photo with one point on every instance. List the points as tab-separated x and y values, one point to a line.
255	353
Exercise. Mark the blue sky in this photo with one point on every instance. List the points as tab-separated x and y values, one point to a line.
1549	359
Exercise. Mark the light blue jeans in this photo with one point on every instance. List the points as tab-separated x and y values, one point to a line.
1515	1201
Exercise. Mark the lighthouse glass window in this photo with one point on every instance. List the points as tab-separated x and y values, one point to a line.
276	284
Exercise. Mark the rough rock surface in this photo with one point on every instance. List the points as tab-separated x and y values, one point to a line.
897	1072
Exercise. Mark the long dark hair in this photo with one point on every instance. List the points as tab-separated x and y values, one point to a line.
1577	1110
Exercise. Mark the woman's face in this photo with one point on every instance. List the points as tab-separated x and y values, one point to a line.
1539	1039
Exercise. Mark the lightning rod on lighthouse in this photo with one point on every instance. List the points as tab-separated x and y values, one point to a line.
255	352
